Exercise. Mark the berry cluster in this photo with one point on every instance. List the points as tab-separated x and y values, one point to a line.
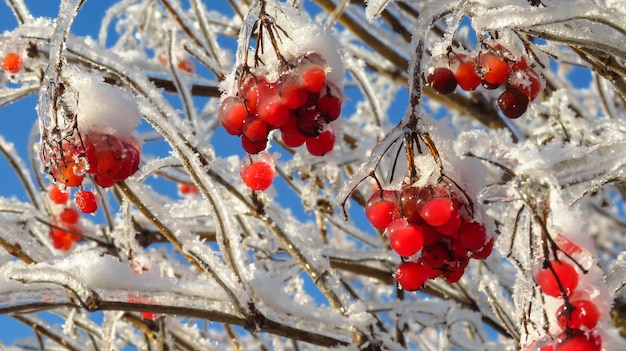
103	156
431	229
65	222
12	63
301	104
490	69
577	316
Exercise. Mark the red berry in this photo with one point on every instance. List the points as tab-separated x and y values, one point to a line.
58	196
466	76
12	63
564	273
61	239
252	147
186	65
513	102
295	140
329	107
437	211
404	238
232	114
442	80
413	276
381	208
527	81
274	112
188	189
255	129
578	340
473	236
257	173
130	160
581	313
86	201
313	78
64	174
496	70
292	94
322	144
450	229
410	201
69	215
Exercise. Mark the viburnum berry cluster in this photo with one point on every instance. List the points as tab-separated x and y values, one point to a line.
433	231
66	226
104	157
493	68
300	104
578	316
289	85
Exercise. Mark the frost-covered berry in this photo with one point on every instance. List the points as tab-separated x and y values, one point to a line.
231	115
12	63
257	171
564	273
495	69
513	102
578	315
86	201
466	76
578	340
442	79
57	195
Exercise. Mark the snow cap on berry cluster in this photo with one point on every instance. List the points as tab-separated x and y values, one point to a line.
297	36
102	107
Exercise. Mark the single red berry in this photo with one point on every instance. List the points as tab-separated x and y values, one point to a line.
412	276
381	208
255	129
453	276
442	79
186	65
187	189
578	340
564	273
130	160
69	215
495	69
257	175
232	114
473	236
580	313
322	144
450	229
404	238
329	107
313	78
274	112
86	201
513	102
58	196
64	173
437	211
466	76
12	63
292	94
252	147
294	140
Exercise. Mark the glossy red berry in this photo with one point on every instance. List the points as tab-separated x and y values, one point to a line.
495	69
484	251
404	238
442	79
58	196
255	129
579	314
232	114
188	189
412	276
252	147
322	144
293	95
86	201
548	281
292	140
12	63
381	209
329	107
437	211
466	76
513	102
257	175
313	78
273	112
473	236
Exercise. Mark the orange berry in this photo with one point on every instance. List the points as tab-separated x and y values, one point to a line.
12	63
